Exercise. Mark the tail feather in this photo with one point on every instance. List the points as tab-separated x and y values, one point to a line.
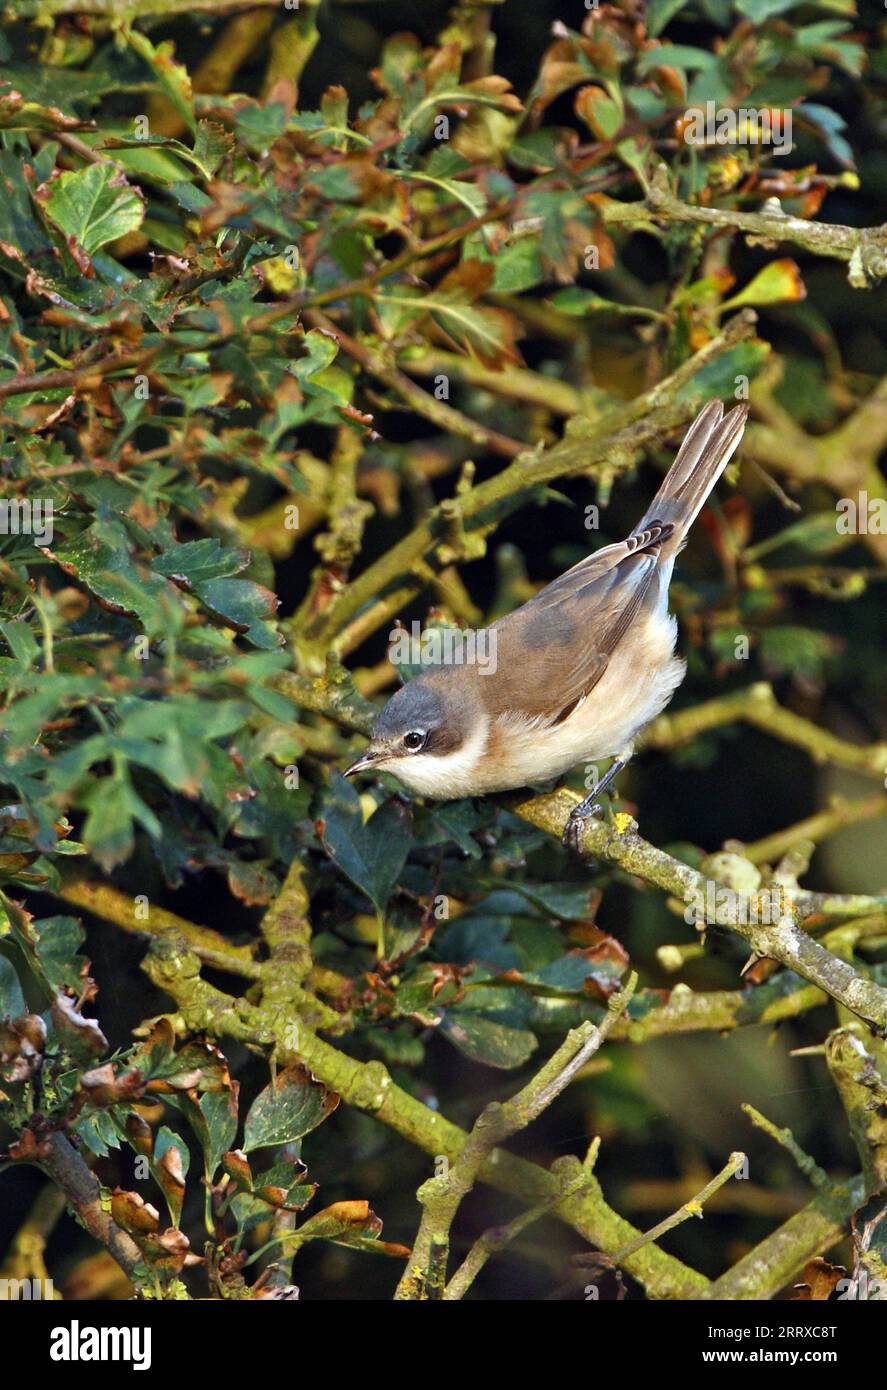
708	447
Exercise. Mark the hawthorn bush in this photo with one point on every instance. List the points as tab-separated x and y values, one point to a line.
322	319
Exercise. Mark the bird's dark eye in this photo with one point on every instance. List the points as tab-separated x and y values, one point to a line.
414	740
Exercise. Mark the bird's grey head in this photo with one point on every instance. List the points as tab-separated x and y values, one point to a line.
418	737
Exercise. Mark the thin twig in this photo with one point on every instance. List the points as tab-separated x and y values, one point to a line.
784	1137
691	1208
444	416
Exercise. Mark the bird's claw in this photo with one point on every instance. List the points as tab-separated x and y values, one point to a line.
576	823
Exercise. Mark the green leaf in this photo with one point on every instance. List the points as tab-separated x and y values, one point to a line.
759	10
22	236
468	194
12	1000
217	1127
211	143
371	855
484	1040
320	350
172	77
677	55
196	562
829	124
175	739
538	149
246	606
289	1108
102	557
98	1131
92	207
578	301
568	901
798	650
600	112
114	809
22	643
18	114
154	161
258	126
516	265
51	85
49	947
718	378
660	12
568	230
458	821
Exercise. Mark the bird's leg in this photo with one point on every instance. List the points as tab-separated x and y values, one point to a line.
591	806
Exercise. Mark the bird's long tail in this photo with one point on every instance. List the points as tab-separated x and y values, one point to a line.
710	443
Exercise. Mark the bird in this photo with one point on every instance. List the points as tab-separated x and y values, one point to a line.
579	670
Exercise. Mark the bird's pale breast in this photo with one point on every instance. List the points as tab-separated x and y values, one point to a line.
640	679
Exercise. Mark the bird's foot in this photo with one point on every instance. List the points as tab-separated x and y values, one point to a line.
592	806
577	821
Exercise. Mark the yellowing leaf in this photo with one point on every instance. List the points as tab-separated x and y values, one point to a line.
778	283
599	112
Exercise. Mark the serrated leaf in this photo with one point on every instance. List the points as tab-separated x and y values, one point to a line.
245	605
196	562
114	809
92	207
172	77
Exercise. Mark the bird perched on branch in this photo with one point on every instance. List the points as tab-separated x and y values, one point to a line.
579	670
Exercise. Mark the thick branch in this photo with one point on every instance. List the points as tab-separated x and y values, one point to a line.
783	940
775	1262
864	248
82	1191
368	1086
518	383
570	1173
858	1065
624	848
107	902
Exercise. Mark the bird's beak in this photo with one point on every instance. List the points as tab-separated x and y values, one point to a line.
366	759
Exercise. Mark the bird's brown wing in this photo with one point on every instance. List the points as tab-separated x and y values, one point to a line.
554	650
